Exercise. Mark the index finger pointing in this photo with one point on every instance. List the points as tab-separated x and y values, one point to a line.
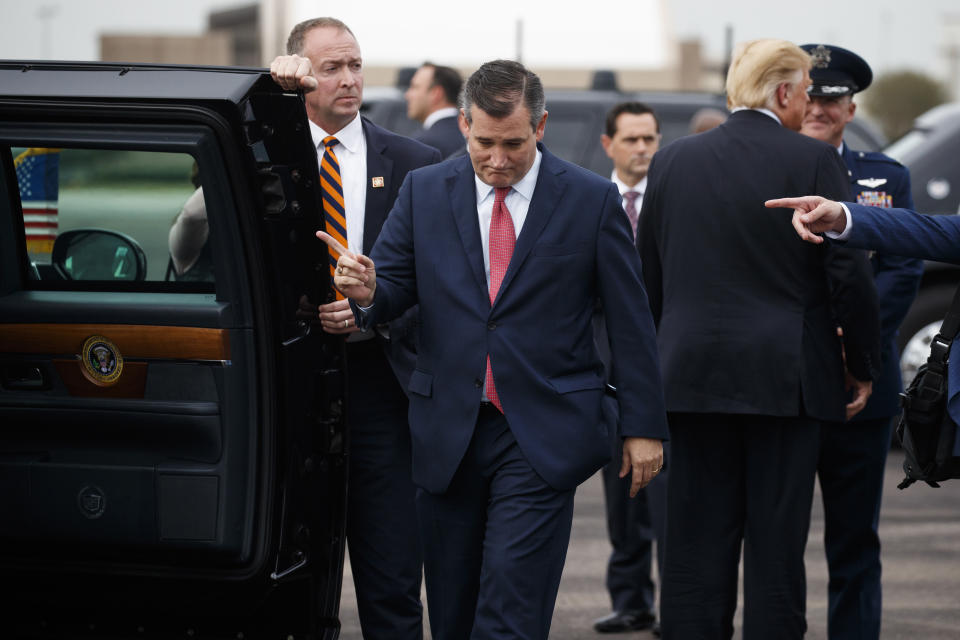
336	246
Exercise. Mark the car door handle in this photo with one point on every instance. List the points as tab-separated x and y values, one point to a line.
24	378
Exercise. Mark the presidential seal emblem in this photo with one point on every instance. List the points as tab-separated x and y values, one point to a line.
102	362
820	56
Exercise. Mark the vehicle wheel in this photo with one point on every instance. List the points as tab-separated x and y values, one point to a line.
920	326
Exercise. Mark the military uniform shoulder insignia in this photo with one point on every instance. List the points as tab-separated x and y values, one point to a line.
102	362
871	183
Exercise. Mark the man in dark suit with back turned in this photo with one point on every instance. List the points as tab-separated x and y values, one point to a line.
361	169
507	252
853	454
747	322
432	101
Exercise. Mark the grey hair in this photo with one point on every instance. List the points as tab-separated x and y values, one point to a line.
299	32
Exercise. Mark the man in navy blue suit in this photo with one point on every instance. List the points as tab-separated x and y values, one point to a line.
432	101
853	454
508	252
324	59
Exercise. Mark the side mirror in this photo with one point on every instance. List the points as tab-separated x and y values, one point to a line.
98	254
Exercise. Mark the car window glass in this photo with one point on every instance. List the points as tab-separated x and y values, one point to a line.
111	215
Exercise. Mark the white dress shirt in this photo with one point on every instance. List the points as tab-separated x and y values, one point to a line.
517	201
640	188
351	153
440	114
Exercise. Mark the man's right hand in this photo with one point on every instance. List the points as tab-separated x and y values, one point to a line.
812	215
355	277
293	72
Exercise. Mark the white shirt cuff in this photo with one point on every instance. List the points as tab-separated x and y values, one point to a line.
833	235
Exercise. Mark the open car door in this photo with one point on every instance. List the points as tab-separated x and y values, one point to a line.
171	435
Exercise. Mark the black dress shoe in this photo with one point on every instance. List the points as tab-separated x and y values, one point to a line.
626	620
655	630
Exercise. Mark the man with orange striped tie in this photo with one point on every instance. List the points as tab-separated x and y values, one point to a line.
361	168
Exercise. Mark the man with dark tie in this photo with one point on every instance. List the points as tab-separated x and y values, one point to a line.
631	137
853	453
432	101
508	252
361	169
752	363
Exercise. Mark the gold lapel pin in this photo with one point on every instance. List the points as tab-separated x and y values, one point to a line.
377	182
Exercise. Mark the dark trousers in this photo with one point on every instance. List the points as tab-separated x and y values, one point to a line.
852	460
494	542
737	480
382	536
633	524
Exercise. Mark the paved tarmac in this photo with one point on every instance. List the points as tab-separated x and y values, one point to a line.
919	529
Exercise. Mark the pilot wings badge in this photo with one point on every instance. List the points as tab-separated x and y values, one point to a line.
872	183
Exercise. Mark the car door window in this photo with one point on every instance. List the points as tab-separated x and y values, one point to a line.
113	215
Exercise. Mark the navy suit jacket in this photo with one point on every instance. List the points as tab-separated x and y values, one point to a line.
391	157
574	248
876	177
444	136
908	233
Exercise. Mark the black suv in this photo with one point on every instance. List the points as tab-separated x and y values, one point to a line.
577	119
929	150
172	448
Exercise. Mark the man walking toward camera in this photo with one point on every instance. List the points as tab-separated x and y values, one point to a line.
507	252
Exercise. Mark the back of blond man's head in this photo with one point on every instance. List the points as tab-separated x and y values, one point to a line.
759	67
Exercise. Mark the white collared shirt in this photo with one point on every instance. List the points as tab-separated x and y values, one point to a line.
440	114
351	153
640	188
517	201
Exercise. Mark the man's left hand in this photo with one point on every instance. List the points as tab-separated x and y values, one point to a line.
861	393
644	456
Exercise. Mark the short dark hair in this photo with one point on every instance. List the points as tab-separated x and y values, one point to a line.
498	87
636	108
299	32
447	79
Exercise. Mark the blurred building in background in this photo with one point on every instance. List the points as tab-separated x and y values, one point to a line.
252	34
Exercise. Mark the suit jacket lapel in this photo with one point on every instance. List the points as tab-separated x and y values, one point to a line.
379	165
546	197
463	202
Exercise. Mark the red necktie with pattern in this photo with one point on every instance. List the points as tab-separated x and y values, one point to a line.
631	208
334	214
501	242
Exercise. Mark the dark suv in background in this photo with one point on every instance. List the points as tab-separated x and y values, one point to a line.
577	119
930	150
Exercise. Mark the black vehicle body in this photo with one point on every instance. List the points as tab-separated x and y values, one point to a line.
202	493
577	119
929	150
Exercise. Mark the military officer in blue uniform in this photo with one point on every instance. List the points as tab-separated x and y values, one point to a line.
853	454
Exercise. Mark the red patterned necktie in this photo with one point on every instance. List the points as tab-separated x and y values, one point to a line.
501	242
631	208
334	214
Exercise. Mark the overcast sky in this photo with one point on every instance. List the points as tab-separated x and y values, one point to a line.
890	34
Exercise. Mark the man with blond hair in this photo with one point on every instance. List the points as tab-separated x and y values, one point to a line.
747	331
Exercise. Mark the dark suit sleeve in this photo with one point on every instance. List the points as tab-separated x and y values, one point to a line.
647	244
853	292
905	232
632	336
897	277
393	258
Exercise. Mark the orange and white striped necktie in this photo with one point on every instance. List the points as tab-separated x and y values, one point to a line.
334	213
